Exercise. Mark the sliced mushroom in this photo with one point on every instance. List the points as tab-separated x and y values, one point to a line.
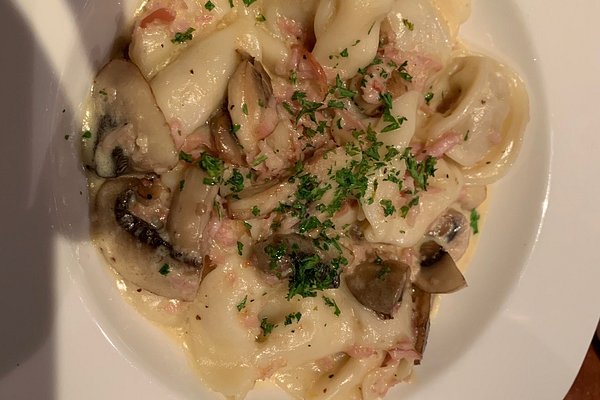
190	212
259	200
136	250
128	130
379	286
451	231
438	272
227	145
421	312
285	256
251	105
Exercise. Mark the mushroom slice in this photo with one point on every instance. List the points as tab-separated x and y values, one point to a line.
135	249
379	286
296	257
226	143
421	311
260	200
251	105
451	231
438	272
128	131
190	212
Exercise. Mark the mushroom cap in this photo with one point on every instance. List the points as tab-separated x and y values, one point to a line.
379	286
438	272
135	250
123	114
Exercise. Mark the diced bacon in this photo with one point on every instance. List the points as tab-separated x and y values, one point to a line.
162	15
358	351
443	144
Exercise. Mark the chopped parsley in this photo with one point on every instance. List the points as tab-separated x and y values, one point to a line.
419	171
336	104
248	2
393	122
181	184
293	77
164	270
344	53
266	326
260	18
242	304
474	221
333	304
245	108
235	128
307	107
409	25
86	134
428	97
406	208
310	274
182	37
209	5
255	211
213	167
291	317
383	272
405	75
240	248
388	207
259	160
183	156
236	181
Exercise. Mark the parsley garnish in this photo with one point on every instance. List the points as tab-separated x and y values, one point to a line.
209	5
265	325
86	134
245	108
260	18
293	77
384	271
419	171
248	2
164	270
406	208
388	207
181	37
236	181
474	221
240	248
409	25
235	128
332	303
183	156
213	167
259	160
255	211
242	304
428	97
291	317
344	53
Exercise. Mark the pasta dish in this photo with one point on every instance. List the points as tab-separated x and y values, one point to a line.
289	185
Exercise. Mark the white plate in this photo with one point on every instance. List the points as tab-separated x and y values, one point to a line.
519	331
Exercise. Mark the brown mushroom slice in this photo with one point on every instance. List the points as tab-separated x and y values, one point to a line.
251	104
128	132
259	200
451	231
379	286
135	249
226	143
191	209
438	272
421	311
